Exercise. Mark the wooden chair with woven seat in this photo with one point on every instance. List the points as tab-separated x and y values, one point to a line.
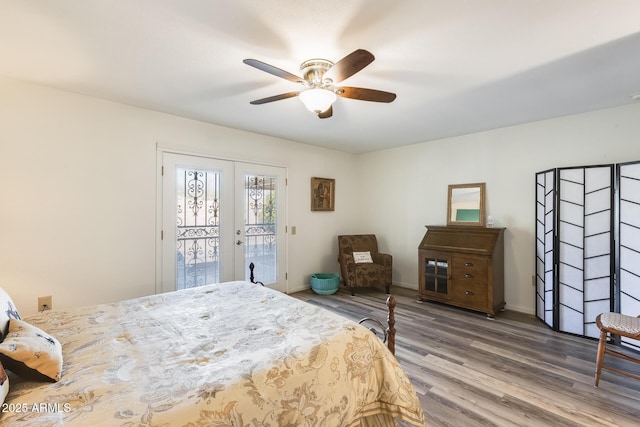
611	324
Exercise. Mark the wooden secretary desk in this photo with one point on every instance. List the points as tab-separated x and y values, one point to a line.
463	266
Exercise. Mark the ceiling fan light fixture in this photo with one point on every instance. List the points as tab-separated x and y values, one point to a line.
318	92
317	100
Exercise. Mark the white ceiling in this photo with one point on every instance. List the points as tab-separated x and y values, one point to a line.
457	66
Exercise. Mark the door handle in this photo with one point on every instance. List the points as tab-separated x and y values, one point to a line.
239	242
468	293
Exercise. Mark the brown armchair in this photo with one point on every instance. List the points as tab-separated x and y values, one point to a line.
360	274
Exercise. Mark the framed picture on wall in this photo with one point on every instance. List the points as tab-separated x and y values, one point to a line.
323	194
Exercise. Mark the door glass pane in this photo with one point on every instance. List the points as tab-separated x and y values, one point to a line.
260	227
197	227
430	275
436	275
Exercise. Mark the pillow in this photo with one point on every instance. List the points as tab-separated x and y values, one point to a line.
7	311
361	257
28	351
4	384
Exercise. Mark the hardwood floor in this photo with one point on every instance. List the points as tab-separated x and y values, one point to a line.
511	371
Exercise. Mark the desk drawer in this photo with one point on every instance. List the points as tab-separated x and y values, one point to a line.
470	293
470	268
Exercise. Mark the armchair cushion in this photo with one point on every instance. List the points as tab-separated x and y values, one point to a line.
360	257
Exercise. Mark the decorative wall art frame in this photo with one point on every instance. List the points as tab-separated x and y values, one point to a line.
323	192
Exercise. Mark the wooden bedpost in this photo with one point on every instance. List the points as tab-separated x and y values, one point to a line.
391	320
389	333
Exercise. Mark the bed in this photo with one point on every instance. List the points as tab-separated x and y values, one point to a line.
230	354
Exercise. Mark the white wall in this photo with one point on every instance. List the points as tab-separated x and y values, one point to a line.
406	187
78	192
78	177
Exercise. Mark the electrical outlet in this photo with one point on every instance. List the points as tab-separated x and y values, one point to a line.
44	303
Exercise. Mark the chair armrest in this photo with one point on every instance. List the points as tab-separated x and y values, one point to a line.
384	259
347	260
348	268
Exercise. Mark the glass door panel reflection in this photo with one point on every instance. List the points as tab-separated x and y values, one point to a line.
436	275
197	227
260	226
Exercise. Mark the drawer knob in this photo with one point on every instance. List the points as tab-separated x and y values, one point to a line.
468	264
468	293
468	276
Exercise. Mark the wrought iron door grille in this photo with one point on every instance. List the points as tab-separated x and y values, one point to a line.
260	226
198	228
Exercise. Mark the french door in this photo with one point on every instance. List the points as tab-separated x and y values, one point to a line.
217	217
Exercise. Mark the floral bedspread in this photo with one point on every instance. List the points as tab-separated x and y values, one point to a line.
231	354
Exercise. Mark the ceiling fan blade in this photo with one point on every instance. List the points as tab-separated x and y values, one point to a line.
349	65
274	98
326	114
273	70
365	94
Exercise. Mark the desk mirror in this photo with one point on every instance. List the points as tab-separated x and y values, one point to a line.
466	204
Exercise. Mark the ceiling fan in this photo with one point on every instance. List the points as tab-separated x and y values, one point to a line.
319	79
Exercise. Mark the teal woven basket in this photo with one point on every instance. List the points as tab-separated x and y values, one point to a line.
325	284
